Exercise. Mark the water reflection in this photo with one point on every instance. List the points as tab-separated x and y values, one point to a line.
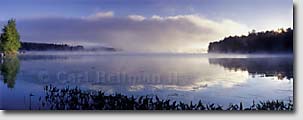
135	73
281	67
183	78
9	69
131	73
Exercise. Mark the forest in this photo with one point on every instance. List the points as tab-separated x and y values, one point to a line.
28	46
280	41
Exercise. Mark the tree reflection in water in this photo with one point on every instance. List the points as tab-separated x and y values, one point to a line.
9	68
281	67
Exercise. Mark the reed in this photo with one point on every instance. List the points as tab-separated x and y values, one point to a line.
77	99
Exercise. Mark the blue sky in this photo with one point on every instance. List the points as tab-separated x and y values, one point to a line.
254	14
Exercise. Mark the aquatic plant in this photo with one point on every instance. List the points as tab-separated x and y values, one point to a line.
77	99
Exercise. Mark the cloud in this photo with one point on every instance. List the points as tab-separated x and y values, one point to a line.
99	15
136	17
134	33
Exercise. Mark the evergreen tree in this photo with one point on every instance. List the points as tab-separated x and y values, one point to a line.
280	41
10	38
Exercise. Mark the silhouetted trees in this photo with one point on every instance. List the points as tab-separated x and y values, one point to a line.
27	46
280	41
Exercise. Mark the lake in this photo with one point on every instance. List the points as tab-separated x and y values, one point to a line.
213	78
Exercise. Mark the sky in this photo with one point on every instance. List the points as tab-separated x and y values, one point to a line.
144	25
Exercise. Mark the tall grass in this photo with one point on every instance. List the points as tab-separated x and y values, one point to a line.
77	99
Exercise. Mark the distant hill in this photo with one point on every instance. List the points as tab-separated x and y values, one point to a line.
280	41
28	46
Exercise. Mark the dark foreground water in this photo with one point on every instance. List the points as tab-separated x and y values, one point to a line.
212	78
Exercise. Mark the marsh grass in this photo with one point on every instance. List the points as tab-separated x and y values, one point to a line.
77	99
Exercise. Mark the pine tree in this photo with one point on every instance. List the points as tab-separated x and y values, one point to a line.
10	38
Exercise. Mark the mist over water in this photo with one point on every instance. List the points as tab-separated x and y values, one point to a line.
97	53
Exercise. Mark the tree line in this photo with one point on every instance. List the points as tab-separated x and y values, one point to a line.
28	46
280	41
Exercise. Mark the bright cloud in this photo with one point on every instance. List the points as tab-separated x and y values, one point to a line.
134	33
99	15
136	17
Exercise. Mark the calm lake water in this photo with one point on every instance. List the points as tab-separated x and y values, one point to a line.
212	78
